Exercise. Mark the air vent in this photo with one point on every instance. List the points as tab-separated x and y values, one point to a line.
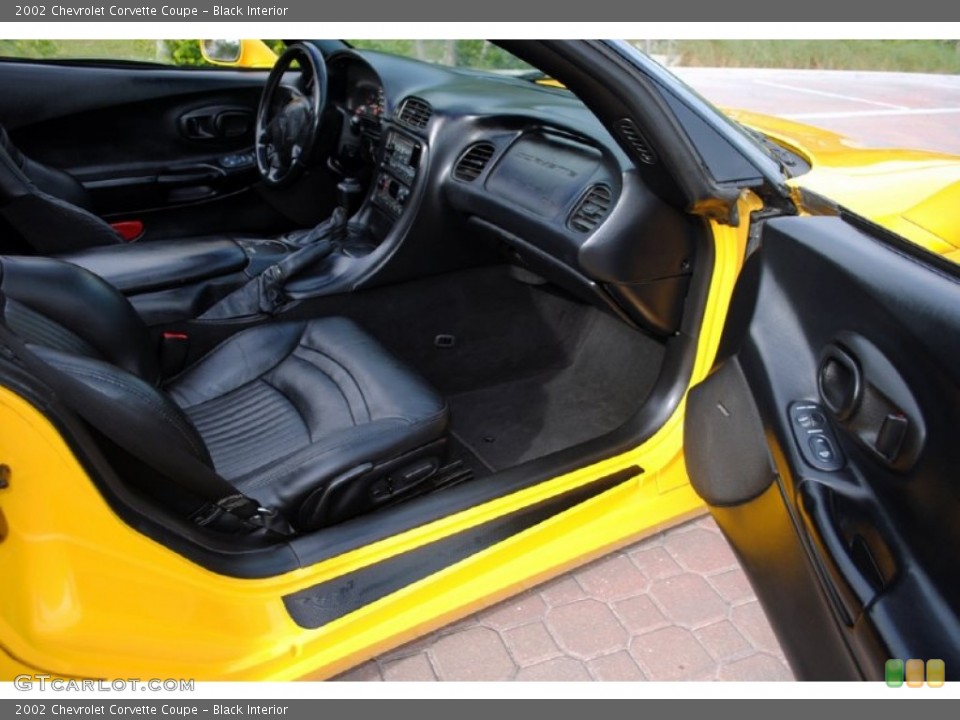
634	138
473	162
592	209
414	113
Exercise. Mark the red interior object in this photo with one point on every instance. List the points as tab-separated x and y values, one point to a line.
129	229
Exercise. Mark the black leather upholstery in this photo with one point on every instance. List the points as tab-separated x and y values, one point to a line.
47	208
51	302
279	410
308	401
49	180
145	267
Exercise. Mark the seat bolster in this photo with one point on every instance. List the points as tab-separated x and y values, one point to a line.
59	184
84	304
130	405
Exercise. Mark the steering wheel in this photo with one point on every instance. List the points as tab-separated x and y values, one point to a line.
288	118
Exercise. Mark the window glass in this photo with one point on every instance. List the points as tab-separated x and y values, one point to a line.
474	54
179	53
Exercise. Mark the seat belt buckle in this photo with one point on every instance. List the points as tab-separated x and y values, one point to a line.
237	507
240	511
174	347
129	230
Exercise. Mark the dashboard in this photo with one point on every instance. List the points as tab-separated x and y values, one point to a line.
523	169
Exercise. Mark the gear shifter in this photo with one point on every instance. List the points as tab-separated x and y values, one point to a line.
349	192
265	294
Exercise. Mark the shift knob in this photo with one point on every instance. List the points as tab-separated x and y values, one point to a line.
349	191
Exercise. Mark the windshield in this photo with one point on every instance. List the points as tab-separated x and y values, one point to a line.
466	54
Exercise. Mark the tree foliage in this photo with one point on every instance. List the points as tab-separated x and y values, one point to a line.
478	54
184	52
28	48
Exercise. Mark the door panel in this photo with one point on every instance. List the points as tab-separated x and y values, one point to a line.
166	145
826	442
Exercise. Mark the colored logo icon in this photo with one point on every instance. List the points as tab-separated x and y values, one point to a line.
913	672
893	672
936	673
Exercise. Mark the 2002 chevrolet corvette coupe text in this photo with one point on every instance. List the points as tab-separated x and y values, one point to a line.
395	340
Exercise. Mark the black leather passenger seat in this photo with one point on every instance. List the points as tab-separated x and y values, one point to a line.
280	405
304	417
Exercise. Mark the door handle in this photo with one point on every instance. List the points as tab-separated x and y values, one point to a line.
221	122
840	382
870	401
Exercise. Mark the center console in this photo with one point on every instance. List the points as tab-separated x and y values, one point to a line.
398	170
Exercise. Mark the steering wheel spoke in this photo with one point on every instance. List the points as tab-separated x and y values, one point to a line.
288	118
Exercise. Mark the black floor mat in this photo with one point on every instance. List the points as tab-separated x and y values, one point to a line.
509	423
457	450
527	369
500	329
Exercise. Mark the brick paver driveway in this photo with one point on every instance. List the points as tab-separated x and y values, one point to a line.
673	607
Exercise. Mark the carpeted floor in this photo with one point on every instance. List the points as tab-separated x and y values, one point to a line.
527	369
611	372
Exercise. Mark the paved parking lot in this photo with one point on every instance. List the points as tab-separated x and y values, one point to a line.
879	109
677	606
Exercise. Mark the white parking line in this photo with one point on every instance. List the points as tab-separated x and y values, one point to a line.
870	113
937	83
849	98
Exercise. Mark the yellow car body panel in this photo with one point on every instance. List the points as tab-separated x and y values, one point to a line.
98	599
911	192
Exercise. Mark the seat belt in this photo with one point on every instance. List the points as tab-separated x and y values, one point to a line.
181	467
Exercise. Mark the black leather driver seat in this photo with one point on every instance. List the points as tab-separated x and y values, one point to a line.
281	411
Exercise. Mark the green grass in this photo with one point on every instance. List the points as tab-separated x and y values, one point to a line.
935	56
148	50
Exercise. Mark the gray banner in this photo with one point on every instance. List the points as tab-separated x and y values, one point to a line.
446	11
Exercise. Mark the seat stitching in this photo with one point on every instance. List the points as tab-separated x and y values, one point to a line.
244	403
333	382
289	400
225	430
336	362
